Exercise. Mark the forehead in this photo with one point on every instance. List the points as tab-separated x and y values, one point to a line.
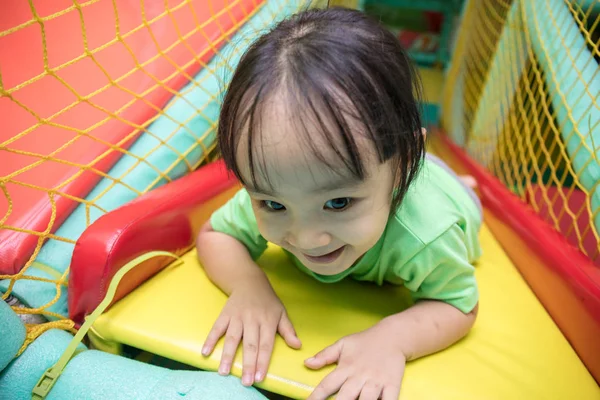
290	148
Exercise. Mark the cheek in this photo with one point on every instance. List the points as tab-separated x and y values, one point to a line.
272	229
366	229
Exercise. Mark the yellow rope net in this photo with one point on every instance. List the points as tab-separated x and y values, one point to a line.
522	98
61	97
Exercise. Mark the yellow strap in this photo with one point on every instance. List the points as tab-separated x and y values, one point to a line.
47	381
49	270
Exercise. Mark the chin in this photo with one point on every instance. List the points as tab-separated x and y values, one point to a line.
327	269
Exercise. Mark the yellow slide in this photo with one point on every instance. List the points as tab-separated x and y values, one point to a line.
514	351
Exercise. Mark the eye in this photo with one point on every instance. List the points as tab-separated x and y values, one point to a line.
273	205
338	204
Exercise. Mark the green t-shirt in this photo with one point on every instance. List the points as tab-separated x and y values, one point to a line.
428	245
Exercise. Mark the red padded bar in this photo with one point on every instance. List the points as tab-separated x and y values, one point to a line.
167	218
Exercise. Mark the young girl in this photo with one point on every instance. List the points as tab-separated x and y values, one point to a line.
321	125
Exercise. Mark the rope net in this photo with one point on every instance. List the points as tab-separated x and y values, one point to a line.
521	97
91	93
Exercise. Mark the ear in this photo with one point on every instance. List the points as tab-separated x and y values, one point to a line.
424	133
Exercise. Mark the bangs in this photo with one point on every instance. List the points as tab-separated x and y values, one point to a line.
325	125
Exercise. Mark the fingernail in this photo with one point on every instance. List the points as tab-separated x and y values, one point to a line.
246	379
205	351
224	369
259	376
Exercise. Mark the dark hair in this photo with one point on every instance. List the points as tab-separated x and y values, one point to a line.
338	61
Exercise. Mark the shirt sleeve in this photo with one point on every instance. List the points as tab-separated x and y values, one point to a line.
441	271
236	219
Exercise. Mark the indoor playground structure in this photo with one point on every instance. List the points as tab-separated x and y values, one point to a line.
108	170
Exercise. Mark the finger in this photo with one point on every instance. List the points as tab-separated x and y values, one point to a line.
250	339
328	386
288	333
232	340
265	349
351	389
371	391
391	392
327	356
218	330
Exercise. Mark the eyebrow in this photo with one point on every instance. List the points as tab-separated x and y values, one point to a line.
339	184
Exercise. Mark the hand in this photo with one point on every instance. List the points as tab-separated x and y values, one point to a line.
255	313
369	367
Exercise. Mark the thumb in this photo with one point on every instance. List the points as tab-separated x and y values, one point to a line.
328	355
288	333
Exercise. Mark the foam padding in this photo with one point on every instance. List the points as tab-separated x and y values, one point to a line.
565	198
18	379
547	29
177	211
12	334
571	85
491	96
94	375
35	293
142	54
514	350
182	128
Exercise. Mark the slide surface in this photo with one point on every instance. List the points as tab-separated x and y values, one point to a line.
506	356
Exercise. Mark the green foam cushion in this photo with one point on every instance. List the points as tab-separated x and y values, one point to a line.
12	334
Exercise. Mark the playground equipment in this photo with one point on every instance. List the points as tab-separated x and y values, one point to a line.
106	157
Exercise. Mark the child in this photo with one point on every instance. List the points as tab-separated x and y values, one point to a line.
321	125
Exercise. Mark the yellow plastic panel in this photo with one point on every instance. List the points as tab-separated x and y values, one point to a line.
513	352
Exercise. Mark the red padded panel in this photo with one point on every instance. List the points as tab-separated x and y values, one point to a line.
566	198
106	75
167	218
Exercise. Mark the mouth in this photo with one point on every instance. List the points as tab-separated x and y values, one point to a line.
326	258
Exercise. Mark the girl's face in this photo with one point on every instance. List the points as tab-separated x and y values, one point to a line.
327	219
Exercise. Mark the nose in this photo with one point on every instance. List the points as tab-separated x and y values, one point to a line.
307	235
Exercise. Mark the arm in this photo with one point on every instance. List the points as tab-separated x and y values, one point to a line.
427	327
227	246
371	363
226	260
442	282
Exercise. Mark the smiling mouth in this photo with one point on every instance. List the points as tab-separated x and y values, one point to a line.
326	258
